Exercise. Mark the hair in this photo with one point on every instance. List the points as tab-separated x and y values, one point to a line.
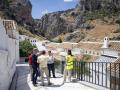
43	52
69	52
49	51
35	49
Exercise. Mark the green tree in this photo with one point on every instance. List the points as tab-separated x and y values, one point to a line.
6	3
25	48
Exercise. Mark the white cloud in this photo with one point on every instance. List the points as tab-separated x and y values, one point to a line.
68	0
71	0
45	12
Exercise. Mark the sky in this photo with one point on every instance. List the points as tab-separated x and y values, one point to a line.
42	7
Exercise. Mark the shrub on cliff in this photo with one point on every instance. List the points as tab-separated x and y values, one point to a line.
117	31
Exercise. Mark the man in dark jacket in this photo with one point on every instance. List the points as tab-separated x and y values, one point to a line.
35	66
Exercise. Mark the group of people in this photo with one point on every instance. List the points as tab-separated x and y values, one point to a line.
43	63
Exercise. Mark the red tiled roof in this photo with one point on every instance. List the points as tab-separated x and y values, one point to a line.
90	46
115	68
114	46
68	45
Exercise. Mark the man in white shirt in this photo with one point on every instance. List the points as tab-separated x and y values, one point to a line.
42	60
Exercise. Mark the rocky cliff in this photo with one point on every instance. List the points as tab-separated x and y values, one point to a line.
53	24
92	5
73	24
79	18
19	10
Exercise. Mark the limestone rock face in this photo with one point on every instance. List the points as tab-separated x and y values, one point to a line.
22	11
92	5
53	24
19	10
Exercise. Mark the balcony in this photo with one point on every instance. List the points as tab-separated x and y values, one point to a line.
85	76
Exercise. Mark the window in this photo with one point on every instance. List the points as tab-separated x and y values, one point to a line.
90	52
118	54
97	53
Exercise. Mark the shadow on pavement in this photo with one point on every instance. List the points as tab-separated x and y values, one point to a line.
22	80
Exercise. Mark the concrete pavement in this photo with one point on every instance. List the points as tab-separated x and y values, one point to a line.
24	82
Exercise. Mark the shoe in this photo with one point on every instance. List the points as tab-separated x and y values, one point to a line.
54	76
42	84
63	82
49	83
34	85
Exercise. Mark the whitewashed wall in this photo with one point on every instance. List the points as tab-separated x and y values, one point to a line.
9	53
110	53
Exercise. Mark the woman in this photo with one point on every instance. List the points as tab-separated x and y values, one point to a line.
30	64
51	66
69	66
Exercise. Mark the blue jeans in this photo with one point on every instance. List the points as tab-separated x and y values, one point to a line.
35	75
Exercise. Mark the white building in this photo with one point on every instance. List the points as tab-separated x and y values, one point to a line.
23	37
33	41
110	52
90	48
30	39
9	52
111	48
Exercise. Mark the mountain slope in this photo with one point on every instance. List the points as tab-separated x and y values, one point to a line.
89	20
70	22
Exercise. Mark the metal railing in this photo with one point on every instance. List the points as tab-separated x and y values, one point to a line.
104	74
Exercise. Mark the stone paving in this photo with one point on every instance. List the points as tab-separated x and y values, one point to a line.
24	82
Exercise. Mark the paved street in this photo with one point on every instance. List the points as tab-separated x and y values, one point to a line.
24	82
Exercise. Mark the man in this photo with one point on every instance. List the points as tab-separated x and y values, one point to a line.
42	60
34	66
51	66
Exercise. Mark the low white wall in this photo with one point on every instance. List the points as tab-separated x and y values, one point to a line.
9	53
110	53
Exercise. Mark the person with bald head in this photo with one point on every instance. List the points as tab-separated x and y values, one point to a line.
43	60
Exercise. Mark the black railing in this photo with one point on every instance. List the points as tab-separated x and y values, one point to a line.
100	73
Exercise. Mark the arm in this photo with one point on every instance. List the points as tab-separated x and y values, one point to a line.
38	60
33	59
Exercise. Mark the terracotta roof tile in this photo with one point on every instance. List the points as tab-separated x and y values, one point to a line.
90	46
115	68
114	46
68	45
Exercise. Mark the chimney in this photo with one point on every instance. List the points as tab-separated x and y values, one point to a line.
106	42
